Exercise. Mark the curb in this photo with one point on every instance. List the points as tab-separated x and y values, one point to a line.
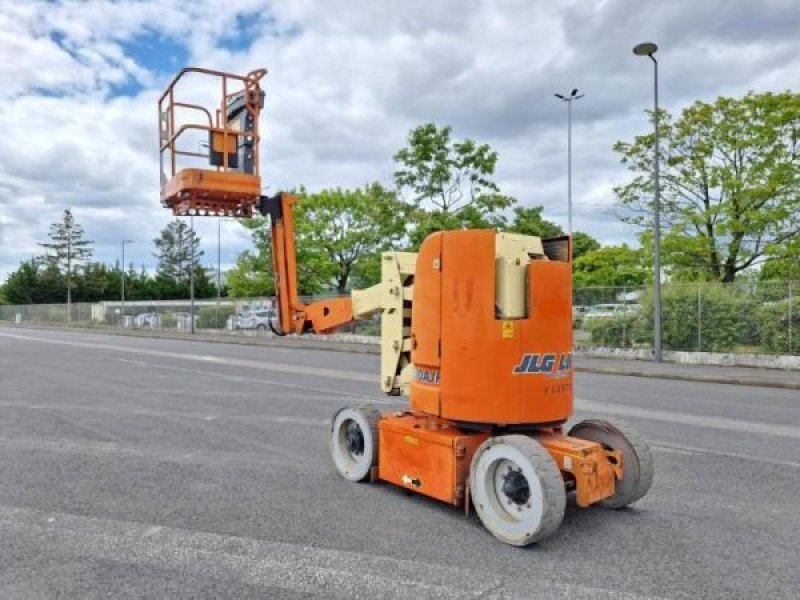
785	385
269	342
356	348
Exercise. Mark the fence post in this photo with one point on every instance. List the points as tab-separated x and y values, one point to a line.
791	317
699	318
624	313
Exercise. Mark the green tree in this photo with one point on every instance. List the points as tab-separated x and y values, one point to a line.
785	263
349	229
21	285
730	179
251	277
339	235
36	282
450	183
67	248
528	220
178	251
583	243
94	284
611	266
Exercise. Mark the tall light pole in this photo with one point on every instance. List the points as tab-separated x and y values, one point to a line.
122	286
649	49
191	270
569	99
219	268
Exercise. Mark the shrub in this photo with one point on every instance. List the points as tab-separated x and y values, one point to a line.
211	317
718	320
623	331
168	321
774	330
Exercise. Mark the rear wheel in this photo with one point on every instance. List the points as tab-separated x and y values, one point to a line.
637	460
261	329
354	441
517	489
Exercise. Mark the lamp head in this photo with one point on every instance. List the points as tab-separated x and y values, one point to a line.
645	49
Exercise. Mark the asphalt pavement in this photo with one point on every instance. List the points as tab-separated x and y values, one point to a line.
138	467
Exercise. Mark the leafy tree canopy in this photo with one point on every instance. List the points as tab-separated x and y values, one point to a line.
611	266
66	247
340	235
529	221
177	250
730	183
450	183
344	229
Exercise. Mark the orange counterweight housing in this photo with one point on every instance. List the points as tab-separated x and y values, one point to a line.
432	456
427	455
472	366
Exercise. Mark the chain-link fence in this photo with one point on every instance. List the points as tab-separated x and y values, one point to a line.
746	317
742	317
246	316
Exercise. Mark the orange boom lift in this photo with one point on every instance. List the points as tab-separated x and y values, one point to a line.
476	329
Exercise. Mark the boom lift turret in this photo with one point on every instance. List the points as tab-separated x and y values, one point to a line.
476	329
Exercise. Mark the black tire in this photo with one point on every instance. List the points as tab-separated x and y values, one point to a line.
517	489
349	425
637	460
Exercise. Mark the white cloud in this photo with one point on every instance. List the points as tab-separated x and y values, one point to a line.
347	81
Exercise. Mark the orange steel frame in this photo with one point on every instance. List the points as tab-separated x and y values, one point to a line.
198	190
294	315
429	448
430	455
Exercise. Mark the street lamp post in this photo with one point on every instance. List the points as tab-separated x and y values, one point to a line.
191	271
219	268
122	286
569	99
649	49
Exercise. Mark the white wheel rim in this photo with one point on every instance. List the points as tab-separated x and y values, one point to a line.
351	465
501	514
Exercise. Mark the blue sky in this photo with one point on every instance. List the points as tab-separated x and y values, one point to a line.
347	81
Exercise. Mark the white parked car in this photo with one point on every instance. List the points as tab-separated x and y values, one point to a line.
147	321
608	311
183	321
257	320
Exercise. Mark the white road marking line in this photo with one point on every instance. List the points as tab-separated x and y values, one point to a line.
709	421
235	362
300	568
267	457
240	378
668	416
680	449
309	422
163	414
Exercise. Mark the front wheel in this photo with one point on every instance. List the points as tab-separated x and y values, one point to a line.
354	441
517	489
637	460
